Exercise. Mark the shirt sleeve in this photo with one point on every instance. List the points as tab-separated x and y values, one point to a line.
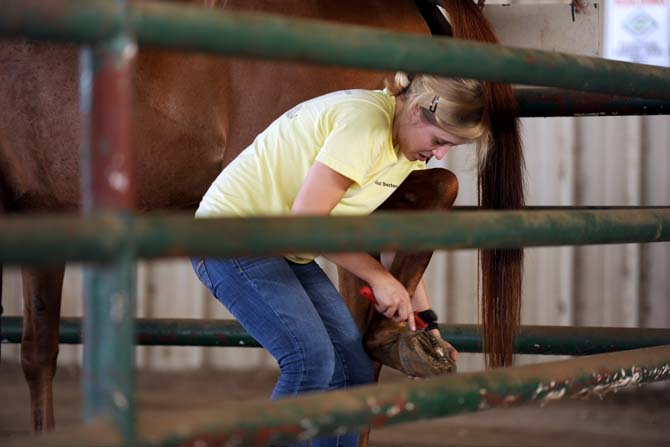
352	145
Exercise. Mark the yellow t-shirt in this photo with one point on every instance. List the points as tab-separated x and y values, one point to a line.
348	131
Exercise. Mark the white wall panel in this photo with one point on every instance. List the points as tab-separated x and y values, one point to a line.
550	161
608	276
12	303
72	305
655	264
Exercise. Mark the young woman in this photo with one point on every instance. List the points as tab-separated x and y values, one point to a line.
342	153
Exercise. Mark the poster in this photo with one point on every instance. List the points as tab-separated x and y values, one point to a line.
638	31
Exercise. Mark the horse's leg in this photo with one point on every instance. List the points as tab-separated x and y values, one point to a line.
42	289
427	190
431	189
1	312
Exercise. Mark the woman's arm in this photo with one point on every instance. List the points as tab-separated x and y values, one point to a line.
420	299
321	191
420	302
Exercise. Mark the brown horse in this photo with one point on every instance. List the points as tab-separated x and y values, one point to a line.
192	114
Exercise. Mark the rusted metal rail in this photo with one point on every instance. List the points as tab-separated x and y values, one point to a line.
553	102
257	423
108	185
544	340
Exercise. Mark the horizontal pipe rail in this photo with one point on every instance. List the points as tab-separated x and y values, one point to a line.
543	340
275	37
58	238
552	102
255	423
317	415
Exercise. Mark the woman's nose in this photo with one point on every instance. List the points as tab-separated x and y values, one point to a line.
440	152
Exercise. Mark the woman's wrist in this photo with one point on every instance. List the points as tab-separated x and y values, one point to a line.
378	277
429	317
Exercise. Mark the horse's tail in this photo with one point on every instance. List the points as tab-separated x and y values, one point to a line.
500	187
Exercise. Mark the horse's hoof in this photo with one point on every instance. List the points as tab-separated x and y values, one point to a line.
414	353
423	355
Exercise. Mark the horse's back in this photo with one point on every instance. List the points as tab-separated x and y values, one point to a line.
264	89
189	109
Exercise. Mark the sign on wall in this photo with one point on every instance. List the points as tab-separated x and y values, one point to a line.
638	31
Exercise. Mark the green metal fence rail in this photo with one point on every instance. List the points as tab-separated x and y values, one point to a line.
104	237
554	102
256	423
542	340
108	185
277	37
305	417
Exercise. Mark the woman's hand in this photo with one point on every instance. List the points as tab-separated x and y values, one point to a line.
393	301
453	353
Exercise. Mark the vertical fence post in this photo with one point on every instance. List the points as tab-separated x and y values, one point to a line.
107	170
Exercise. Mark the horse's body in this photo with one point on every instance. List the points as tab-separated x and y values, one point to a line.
192	114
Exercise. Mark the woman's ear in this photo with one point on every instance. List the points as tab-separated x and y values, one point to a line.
415	113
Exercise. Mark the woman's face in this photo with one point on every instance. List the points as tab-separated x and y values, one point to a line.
420	140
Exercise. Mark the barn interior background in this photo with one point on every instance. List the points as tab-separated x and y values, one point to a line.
581	161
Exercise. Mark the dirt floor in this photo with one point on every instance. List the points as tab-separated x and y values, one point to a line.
641	417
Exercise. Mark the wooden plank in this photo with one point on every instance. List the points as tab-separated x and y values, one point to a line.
655	283
72	306
12	302
605	275
550	175
462	301
173	291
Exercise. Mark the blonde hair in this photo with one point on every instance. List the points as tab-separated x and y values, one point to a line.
460	107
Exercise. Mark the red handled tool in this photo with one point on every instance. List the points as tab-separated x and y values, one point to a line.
366	292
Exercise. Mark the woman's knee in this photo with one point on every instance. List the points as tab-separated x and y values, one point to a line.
363	373
311	366
356	367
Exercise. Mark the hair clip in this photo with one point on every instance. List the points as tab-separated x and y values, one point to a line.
433	105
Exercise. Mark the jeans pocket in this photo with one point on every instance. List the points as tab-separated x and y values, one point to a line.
201	271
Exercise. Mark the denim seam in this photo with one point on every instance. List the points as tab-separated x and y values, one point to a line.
206	273
338	439
345	367
295	339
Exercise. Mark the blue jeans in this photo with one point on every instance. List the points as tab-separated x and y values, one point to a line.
296	313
